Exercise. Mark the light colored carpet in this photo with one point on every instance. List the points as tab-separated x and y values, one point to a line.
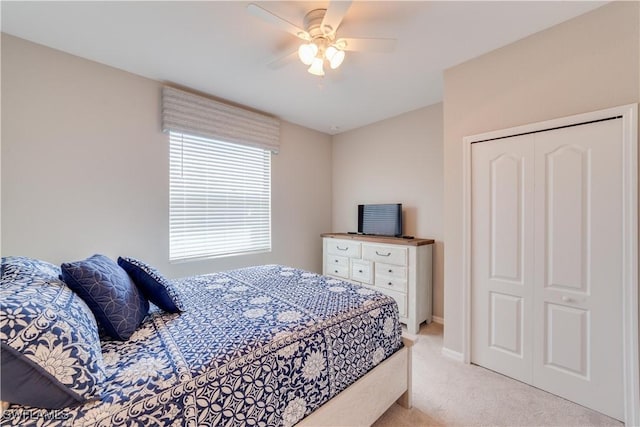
450	393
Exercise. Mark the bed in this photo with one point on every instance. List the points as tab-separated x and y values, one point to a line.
264	345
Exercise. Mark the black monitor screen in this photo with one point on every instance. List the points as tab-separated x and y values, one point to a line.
382	220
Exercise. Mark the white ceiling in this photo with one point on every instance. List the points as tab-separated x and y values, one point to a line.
218	48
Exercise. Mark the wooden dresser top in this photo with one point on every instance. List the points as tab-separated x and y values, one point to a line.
381	239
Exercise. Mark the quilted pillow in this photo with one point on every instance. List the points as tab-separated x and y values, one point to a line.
117	303
51	355
154	286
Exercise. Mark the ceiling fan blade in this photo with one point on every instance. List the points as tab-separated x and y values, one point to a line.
333	16
283	60
283	24
369	45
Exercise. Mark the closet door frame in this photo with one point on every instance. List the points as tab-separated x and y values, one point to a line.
631	354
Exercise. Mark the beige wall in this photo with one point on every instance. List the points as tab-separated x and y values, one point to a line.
588	63
398	160
85	169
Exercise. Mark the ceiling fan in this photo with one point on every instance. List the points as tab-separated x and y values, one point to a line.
319	35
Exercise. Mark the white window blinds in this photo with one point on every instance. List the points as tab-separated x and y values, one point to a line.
220	198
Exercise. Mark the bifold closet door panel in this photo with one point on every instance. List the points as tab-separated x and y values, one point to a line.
502	255
578	265
546	266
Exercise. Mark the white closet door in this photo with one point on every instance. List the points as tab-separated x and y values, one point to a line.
502	255
546	268
578	265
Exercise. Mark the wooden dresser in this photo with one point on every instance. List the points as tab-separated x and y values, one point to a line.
400	268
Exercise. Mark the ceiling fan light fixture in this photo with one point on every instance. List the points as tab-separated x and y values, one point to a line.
307	52
330	52
320	40
335	56
316	67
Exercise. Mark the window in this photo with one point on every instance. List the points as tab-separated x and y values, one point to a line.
220	198
220	176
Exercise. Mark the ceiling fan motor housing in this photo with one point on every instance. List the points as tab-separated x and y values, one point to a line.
313	24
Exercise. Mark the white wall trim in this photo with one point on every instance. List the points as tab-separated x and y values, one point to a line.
437	319
630	265
466	249
452	354
631	352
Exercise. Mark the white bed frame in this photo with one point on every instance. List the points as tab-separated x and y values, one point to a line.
364	401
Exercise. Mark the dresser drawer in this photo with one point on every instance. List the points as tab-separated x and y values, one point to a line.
385	254
361	271
393	283
390	270
401	300
338	271
337	261
343	248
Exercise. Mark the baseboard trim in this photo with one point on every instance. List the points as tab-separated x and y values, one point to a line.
455	355
437	319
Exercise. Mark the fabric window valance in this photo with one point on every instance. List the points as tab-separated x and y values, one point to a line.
186	112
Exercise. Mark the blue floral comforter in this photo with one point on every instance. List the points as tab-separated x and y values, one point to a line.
258	346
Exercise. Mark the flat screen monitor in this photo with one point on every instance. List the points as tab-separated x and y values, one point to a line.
380	219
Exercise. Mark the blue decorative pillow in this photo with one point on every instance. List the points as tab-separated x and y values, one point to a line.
117	303
154	286
17	266
51	355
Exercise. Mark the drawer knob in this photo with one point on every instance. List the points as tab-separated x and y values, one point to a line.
359	271
390	284
335	271
335	260
390	271
379	254
342	249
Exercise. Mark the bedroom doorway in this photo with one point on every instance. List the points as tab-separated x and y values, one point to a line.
549	281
